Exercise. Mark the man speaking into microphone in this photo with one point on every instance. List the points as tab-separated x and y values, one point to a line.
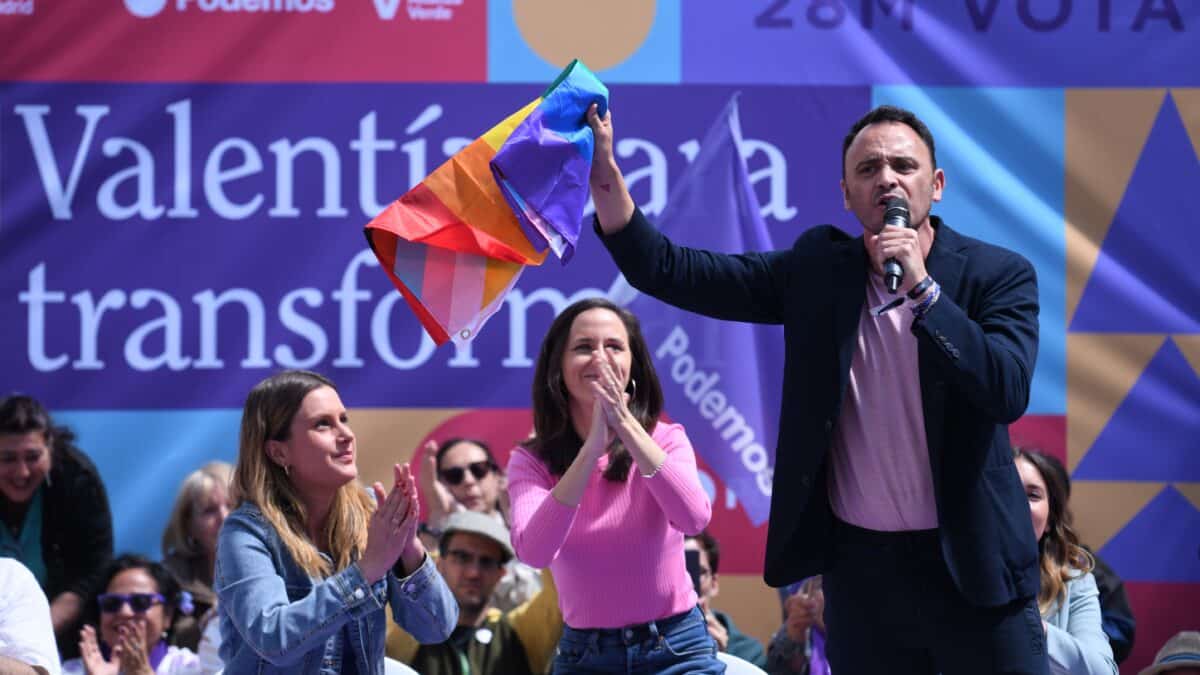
908	352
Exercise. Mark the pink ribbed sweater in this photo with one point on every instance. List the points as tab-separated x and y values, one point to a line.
617	558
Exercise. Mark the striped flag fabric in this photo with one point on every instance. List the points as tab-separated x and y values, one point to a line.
456	243
543	167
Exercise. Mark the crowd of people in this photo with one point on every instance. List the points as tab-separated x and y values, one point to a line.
269	566
589	551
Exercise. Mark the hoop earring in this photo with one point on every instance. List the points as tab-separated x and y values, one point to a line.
632	388
287	470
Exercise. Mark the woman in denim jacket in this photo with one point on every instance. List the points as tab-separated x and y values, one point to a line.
307	561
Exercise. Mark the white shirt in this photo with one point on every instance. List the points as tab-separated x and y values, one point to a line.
26	633
209	650
178	661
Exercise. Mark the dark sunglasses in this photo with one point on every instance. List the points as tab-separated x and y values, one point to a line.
455	475
140	603
486	563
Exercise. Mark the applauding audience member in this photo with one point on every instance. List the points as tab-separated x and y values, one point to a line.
603	495
307	563
488	641
189	543
129	624
461	474
1069	600
722	629
55	512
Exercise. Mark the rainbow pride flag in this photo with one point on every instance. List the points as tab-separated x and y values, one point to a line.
456	243
543	167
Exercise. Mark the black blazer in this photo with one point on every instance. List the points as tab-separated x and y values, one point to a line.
976	346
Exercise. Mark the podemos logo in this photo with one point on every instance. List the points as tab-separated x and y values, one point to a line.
148	8
145	8
16	7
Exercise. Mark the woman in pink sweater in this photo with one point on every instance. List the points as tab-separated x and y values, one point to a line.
603	494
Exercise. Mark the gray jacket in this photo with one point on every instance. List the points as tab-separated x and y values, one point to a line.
1074	637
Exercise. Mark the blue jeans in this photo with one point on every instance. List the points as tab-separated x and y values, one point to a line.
676	645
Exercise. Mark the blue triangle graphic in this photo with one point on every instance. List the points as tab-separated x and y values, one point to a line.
1161	543
1154	435
1145	280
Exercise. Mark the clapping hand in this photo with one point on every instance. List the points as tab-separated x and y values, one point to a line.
614	400
133	650
94	662
392	531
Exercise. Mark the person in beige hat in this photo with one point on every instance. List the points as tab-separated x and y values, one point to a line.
473	550
1179	656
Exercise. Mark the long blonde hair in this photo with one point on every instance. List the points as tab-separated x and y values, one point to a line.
267	416
1060	555
178	545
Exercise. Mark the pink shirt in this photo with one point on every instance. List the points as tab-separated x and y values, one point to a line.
617	557
879	464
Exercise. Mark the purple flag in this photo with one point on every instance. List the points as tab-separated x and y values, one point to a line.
721	379
542	168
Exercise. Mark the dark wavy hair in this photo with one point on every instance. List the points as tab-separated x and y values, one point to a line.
1060	556
554	438
168	587
445	446
21	414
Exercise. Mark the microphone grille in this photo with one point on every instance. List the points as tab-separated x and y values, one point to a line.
896	205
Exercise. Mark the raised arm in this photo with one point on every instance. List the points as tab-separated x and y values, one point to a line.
746	287
614	204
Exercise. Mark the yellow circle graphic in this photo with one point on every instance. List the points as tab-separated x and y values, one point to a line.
601	34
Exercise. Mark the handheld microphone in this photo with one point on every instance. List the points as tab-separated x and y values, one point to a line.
896	215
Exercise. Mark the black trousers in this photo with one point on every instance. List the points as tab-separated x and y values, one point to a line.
892	607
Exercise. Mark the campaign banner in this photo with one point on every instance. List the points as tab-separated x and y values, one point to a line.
243	41
974	43
164	247
724	376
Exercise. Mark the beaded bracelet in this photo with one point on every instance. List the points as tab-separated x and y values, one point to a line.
930	298
917	290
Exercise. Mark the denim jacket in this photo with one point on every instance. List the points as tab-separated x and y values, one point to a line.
276	619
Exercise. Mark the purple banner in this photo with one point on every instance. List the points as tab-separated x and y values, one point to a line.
723	378
167	246
981	43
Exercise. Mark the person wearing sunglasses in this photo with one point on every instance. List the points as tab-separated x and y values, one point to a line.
308	564
474	552
128	624
462	474
603	494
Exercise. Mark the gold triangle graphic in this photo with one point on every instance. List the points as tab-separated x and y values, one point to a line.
1102	508
1105	132
1101	369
